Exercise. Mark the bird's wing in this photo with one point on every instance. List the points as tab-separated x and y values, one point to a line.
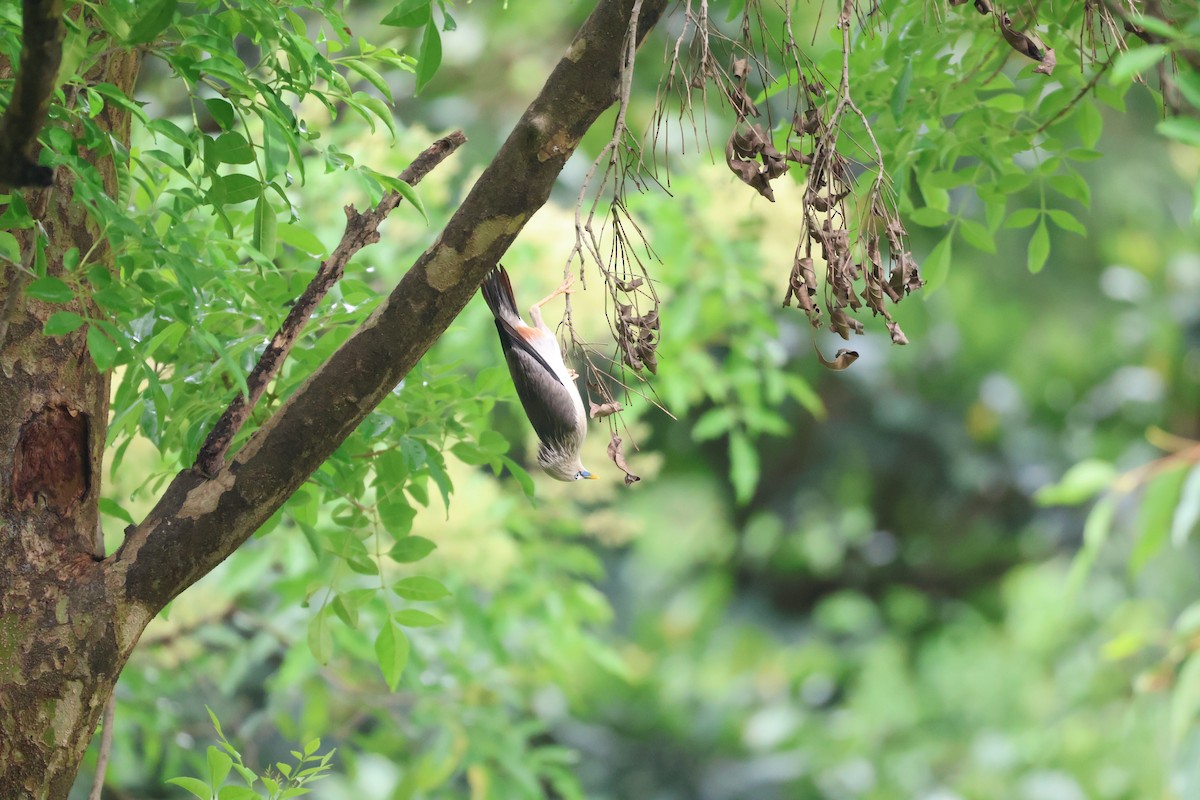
549	403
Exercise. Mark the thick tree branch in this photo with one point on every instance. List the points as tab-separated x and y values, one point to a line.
41	54
361	230
199	521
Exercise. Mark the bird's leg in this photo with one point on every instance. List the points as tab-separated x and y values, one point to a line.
535	310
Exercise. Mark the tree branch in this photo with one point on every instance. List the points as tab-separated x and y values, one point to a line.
361	230
199	521
41	54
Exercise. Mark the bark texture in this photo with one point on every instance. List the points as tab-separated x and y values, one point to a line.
68	622
59	657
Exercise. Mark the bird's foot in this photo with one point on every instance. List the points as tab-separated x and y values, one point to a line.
568	286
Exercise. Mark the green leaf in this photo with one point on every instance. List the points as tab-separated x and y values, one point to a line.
263	237
391	653
415	618
345	609
420	588
976	235
116	96
469	453
712	424
1136	60
410	549
409	193
1153	525
1072	185
113	509
1066	221
157	15
373	77
1187	511
429	58
1009	102
1089	123
51	290
219	764
231	148
1023	218
104	352
396	512
194	785
1185	699
523	477
1182	129
1039	248
936	265
409	14
929	217
221	111
236	188
378	108
237	792
9	247
743	467
302	239
1079	484
900	91
1095	533
320	639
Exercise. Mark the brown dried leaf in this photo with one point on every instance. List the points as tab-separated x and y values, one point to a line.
982	6
742	103
741	69
1024	42
603	410
747	171
627	285
775	164
618	457
843	324
898	336
1049	62
750	142
842	359
812	120
800	158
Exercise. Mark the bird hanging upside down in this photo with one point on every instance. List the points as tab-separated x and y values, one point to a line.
544	384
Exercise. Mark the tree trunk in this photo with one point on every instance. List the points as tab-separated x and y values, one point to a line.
68	620
59	657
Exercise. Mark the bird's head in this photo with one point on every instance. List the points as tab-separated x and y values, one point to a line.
563	468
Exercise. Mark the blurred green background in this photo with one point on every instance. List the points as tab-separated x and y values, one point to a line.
872	605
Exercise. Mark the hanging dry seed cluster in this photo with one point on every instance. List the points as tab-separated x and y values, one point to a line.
847	216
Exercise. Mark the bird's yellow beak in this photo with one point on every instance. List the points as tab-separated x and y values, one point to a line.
593	477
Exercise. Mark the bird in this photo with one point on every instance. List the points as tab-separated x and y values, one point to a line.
544	384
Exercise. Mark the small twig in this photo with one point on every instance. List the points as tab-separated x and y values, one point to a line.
106	737
1087	87
361	230
41	55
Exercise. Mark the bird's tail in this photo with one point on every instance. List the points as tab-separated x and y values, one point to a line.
497	291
